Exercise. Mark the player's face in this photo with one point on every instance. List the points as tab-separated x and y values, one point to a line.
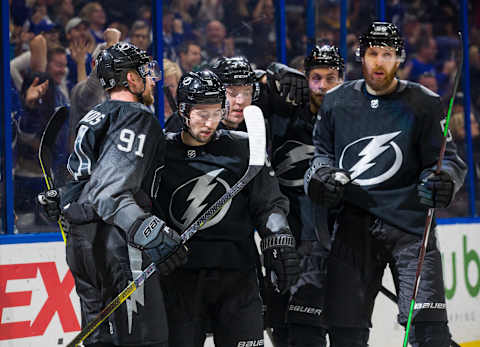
203	121
320	81
238	98
379	66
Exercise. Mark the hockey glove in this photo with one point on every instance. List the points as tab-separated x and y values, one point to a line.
325	188
50	203
435	190
289	83
162	244
281	260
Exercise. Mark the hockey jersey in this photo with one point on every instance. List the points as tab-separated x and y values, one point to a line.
292	150
118	153
385	142
196	177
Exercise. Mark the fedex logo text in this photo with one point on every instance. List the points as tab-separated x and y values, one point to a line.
58	300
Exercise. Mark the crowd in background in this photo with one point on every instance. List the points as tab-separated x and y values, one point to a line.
54	43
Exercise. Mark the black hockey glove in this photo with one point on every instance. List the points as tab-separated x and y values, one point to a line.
50	203
162	244
289	83
281	260
326	186
435	190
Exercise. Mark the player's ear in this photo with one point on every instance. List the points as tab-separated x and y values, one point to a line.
132	77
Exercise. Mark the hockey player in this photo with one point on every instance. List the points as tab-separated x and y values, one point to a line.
385	134
217	290
118	150
297	319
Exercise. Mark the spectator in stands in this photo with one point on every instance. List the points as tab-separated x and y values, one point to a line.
35	59
172	74
122	27
264	38
140	35
428	79
40	96
80	48
189	56
94	14
89	92
424	61
63	12
172	34
216	43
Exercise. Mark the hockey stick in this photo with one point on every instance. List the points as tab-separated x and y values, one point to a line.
431	210
394	298
257	147
47	142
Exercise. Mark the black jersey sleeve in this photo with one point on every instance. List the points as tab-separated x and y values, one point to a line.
430	142
266	199
116	158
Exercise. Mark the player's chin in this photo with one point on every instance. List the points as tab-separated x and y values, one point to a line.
206	135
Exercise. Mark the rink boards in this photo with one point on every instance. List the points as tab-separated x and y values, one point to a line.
39	307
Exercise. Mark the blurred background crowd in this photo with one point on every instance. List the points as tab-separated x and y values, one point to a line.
54	43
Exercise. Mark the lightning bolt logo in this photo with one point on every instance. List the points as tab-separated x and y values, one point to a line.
204	185
376	146
135	257
294	156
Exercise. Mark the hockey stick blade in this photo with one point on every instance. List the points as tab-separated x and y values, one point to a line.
47	143
257	148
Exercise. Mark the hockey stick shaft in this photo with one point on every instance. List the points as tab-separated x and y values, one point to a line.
257	156
431	211
50	133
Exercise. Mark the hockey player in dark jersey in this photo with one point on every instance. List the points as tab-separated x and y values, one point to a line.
384	134
217	290
297	319
118	151
285	87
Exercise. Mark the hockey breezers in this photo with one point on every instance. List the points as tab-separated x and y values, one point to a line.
47	142
257	148
431	211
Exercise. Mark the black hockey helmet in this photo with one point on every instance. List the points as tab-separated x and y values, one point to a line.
382	34
325	55
202	87
236	71
114	63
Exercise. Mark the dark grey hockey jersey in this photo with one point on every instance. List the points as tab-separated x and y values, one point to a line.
385	142
118	152
194	178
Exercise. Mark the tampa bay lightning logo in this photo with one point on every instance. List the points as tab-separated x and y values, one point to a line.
192	198
291	161
372	159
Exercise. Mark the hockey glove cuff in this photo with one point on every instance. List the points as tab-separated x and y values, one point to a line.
435	190
162	244
50	203
327	185
281	260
